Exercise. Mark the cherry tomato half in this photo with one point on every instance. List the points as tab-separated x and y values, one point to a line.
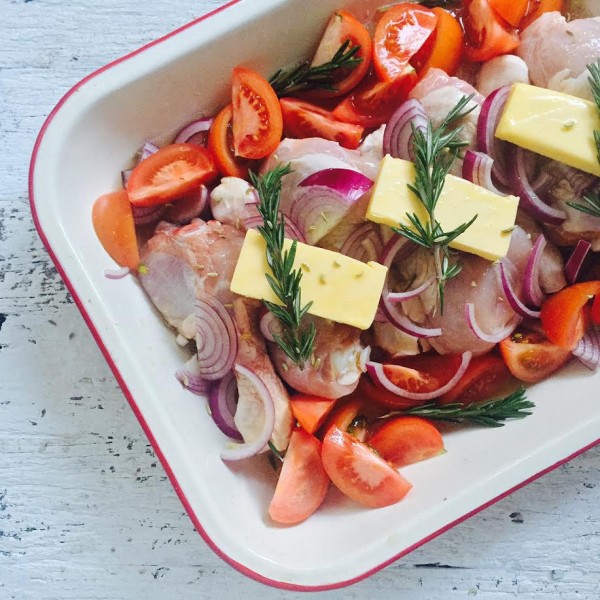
171	173
359	473
303	482
113	223
257	121
343	27
304	120
400	33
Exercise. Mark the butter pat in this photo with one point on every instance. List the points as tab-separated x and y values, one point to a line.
552	124
459	202
341	289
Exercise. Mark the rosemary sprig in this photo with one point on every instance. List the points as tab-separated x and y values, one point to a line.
435	150
296	341
591	202
304	77
491	413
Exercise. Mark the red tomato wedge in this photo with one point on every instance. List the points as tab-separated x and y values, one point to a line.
373	102
537	8
595	312
113	223
399	35
310	411
343	27
485	377
257	120
359	473
563	317
220	143
303	482
511	11
169	174
403	441
424	372
344	413
303	120
368	390
530	357
444	48
487	34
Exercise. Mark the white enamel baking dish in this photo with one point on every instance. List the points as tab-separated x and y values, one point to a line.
89	137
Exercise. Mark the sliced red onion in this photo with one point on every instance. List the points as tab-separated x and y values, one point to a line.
183	211
588	349
116	273
380	316
292	231
195	132
148	149
398	134
399	245
190	377
216	337
491	338
125	175
575	262
532	292
513	300
376	371
477	168
364	243
234	451
144	215
530	202
403	296
222	401
270	326
487	142
347	182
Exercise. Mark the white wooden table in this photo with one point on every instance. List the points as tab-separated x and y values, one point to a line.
85	509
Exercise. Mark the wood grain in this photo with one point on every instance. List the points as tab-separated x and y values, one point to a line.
86	512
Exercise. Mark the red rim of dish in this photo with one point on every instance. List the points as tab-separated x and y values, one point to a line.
212	545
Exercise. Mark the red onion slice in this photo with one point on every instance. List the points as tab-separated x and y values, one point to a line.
530	202
195	132
222	401
532	292
292	232
398	134
376	371
588	349
125	175
117	273
148	149
144	215
491	338
403	296
575	262
477	168
216	337
491	111
184	210
190	377
233	451
400	246
350	184
512	298
364	243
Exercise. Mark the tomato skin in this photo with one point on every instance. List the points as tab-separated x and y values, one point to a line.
595	312
444	48
368	390
373	102
537	8
171	173
400	33
303	482
302	120
512	11
485	377
112	219
530	357
403	441
220	143
257	120
359	473
343	27
563	316
310	411
486	33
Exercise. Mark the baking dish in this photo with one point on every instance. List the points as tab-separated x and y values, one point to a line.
88	138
